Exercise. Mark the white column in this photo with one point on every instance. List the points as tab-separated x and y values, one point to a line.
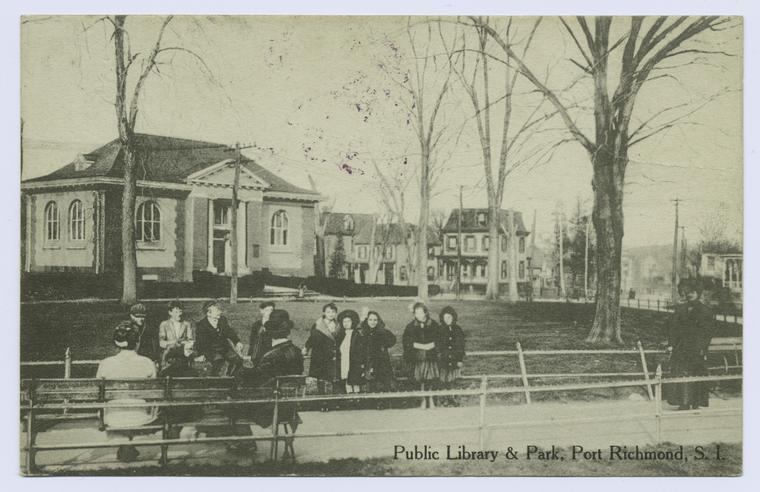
28	233
189	236
210	264
242	233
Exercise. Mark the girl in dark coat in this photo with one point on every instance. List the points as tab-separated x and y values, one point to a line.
352	352
379	372
451	350
420	340
689	337
323	345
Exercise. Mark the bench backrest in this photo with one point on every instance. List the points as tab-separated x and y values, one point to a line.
725	344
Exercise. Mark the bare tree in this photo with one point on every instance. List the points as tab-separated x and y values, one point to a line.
516	130
644	49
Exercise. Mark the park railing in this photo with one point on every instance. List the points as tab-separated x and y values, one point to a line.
30	409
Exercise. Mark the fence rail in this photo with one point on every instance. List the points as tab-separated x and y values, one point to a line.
483	391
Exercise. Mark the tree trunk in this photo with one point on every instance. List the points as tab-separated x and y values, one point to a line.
422	253
512	255
608	224
492	282
129	253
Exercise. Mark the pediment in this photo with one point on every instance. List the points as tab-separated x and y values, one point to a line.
223	174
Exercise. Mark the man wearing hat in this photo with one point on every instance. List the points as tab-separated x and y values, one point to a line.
147	345
217	342
260	342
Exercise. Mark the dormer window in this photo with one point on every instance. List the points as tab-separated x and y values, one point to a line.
348	223
481	218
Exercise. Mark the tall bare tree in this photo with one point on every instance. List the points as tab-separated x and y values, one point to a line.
516	129
644	49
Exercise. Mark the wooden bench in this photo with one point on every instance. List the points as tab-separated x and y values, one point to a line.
208	404
725	346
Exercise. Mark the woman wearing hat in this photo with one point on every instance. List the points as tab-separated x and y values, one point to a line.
689	337
322	345
175	333
379	372
420	340
127	364
259	343
451	350
352	355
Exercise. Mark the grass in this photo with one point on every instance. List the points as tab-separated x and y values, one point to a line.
731	465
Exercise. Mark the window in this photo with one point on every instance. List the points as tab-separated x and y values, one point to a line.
503	269
481	218
481	271
452	243
431	252
469	243
52	222
486	243
402	273
148	227
711	263
465	271
76	221
521	269
362	253
279	232
431	273
521	245
388	253
348	223
503	244
221	215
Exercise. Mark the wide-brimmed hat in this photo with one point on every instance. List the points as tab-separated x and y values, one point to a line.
279	324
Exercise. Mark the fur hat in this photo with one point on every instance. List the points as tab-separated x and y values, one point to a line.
208	304
448	310
138	310
125	336
279	324
349	313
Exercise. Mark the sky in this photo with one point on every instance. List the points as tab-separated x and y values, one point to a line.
289	87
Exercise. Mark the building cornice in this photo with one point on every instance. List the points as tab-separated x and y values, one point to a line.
99	180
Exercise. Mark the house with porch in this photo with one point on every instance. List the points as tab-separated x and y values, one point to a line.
475	241
183	214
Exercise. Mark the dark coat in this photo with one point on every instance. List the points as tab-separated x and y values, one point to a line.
691	330
259	343
378	341
451	348
323	346
416	332
357	357
216	343
148	345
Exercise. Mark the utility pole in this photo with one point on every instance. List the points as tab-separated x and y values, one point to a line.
674	273
234	233
558	217
585	265
459	245
683	266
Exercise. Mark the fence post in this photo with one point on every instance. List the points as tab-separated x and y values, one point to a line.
275	421
645	368
658	304
523	372
165	426
658	402
30	466
647	303
67	364
483	394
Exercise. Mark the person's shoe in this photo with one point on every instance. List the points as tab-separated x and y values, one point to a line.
127	454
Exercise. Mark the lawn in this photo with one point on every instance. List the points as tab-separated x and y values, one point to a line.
731	465
47	329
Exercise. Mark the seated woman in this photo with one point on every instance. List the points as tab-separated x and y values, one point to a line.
175	332
127	364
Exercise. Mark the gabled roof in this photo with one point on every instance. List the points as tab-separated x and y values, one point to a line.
470	220
163	159
362	230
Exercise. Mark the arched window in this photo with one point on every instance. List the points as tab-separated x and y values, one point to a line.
52	222
278	235
76	221
148	227
348	223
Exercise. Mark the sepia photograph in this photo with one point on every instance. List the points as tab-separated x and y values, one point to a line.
427	245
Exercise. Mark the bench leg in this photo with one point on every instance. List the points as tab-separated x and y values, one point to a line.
165	432
290	451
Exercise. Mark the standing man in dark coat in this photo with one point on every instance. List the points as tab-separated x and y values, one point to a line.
323	346
260	342
147	346
217	341
689	337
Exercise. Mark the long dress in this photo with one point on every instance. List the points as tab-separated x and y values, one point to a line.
690	333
